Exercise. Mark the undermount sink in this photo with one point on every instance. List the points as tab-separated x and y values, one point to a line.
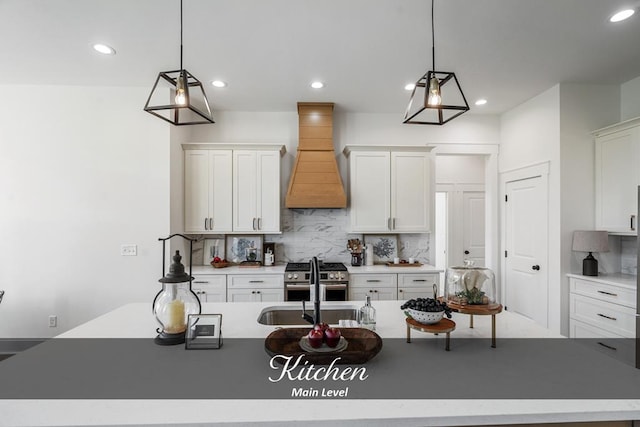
292	315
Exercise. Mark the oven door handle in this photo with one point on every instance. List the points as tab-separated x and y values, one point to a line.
301	287
336	287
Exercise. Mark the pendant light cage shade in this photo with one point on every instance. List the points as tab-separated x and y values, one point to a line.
179	98
423	109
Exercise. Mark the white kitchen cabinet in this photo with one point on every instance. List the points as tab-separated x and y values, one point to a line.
256	191
377	286
617	150
417	285
210	288
207	195
391	189
255	288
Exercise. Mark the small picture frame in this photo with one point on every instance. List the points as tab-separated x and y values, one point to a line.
213	248
385	247
204	331
244	248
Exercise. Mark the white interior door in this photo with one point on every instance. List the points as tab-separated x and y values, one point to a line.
526	278
473	235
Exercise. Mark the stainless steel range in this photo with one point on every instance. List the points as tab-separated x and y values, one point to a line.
334	281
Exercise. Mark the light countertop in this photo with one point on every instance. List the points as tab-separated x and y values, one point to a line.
616	279
239	320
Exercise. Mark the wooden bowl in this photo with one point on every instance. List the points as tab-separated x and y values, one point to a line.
220	264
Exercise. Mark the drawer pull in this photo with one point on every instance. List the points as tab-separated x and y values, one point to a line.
256	281
633	223
608	293
373	280
199	281
607	346
419	280
607	317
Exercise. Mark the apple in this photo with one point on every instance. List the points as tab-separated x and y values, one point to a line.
217	259
315	338
332	336
321	327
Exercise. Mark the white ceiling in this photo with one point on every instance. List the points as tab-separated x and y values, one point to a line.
364	50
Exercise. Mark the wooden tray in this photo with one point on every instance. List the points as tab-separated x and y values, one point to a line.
220	264
406	264
363	345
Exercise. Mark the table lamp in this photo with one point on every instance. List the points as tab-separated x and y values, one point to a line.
590	241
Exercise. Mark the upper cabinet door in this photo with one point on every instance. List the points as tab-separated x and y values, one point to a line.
617	180
221	195
370	186
411	195
268	196
196	191
256	191
207	195
245	191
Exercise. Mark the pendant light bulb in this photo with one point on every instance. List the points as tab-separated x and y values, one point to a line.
434	98
181	94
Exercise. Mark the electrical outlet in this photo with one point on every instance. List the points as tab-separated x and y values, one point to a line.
53	321
129	250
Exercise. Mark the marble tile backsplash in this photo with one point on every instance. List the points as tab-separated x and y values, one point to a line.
324	233
628	255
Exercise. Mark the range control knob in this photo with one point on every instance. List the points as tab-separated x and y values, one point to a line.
295	276
289	276
330	275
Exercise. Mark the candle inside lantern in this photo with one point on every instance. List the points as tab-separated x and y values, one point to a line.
176	323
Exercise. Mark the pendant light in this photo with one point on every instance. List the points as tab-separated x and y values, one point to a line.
437	96
187	101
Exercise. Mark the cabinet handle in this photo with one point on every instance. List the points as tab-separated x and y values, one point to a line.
633	222
205	224
419	280
253	292
256	281
607	346
375	291
373	280
607	317
257	292
393	222
199	281
608	293
389	223
210	223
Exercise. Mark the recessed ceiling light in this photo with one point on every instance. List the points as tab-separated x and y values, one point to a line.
218	83
481	102
104	49
317	85
409	86
622	15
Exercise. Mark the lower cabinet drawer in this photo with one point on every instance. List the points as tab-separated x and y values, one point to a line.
372	280
603	291
255	281
601	340
418	280
616	319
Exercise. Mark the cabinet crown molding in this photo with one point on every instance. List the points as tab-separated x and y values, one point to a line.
234	146
418	148
627	124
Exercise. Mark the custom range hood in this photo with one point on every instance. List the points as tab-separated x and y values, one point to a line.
315	181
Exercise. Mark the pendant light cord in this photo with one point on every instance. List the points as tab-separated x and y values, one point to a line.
433	39
181	35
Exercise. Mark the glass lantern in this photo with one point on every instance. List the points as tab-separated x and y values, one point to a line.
175	302
469	285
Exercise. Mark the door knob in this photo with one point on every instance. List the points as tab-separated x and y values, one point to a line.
536	267
466	252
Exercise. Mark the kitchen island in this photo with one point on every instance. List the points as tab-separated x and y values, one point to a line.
240	321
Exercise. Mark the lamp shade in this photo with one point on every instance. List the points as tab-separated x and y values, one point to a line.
590	241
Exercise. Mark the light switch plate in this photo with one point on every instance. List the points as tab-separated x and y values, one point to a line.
129	250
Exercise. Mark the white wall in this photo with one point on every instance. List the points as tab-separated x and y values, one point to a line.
530	134
579	116
460	169
630	99
555	127
82	171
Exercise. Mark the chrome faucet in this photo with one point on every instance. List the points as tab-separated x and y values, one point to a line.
314	280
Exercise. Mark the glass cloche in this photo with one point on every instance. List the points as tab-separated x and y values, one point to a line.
470	285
